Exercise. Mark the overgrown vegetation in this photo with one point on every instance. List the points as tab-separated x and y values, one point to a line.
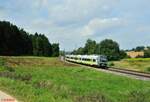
40	79
147	53
139	64
15	41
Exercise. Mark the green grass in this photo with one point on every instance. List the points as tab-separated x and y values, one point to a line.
138	64
40	79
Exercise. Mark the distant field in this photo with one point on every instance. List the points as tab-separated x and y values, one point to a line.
139	64
41	79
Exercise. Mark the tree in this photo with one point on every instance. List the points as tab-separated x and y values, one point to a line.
79	51
122	54
90	47
15	41
110	48
41	45
147	53
139	48
97	49
55	50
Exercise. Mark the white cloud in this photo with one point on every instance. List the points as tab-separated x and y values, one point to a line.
98	25
73	11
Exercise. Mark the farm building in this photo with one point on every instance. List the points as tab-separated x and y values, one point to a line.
134	54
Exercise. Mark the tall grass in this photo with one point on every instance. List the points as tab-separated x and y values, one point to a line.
138	64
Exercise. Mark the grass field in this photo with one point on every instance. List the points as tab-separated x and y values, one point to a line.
138	64
40	79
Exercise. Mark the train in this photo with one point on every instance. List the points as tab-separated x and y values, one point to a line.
92	60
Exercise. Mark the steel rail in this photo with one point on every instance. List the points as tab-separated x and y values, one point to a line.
131	72
121	70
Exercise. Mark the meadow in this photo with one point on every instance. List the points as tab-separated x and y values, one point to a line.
43	79
138	64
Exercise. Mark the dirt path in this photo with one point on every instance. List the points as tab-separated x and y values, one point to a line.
6	98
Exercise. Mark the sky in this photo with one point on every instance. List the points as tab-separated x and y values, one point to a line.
71	22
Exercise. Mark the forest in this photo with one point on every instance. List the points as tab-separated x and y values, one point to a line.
15	41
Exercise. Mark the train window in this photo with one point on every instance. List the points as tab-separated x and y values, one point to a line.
94	60
88	59
76	58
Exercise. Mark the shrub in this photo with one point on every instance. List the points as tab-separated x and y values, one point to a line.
111	64
148	69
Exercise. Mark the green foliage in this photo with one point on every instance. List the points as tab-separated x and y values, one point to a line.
148	69
110	48
15	41
139	48
55	50
90	47
111	64
147	53
41	45
79	51
123	54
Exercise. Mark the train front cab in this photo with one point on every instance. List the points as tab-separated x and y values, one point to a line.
102	62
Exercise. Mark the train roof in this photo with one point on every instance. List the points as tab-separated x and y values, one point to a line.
86	56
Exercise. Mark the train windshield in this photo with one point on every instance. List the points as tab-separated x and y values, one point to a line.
103	59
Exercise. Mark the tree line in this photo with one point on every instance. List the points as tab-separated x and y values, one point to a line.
106	47
15	42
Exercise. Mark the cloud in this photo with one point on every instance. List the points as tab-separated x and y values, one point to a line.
81	11
99	25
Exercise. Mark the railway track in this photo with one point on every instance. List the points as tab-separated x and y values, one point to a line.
130	72
126	72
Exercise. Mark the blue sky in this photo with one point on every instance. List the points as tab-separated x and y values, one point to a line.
72	22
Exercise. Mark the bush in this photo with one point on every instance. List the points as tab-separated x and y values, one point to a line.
147	53
111	64
148	69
